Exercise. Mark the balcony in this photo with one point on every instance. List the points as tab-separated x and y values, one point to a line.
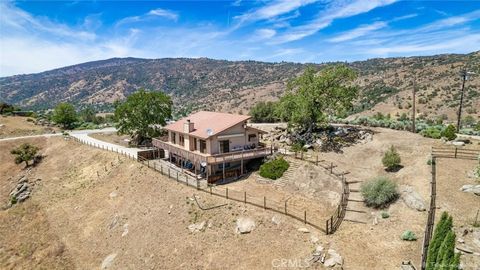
196	156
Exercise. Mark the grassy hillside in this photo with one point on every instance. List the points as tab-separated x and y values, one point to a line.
236	85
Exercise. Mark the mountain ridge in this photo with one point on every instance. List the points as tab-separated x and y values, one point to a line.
204	83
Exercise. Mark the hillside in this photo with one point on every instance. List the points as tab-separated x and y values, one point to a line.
236	85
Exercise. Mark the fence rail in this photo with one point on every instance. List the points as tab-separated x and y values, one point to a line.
334	221
267	203
328	226
441	152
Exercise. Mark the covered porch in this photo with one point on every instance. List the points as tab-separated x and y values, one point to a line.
210	167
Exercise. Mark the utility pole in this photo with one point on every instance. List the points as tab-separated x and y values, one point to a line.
464	73
413	106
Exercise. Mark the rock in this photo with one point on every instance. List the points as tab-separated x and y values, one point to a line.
308	146
375	221
288	141
107	262
411	198
245	225
318	250
276	220
475	189
303	230
125	229
333	258
457	143
113	194
314	239
460	240
196	227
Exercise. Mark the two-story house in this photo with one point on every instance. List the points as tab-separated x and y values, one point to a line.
212	144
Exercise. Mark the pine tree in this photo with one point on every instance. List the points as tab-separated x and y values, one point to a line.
441	231
446	253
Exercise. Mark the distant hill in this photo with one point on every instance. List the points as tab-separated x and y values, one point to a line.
236	85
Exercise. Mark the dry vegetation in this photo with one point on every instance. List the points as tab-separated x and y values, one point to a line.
76	217
14	126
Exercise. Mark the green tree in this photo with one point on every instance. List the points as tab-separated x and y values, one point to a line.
24	153
312	97
446	252
441	230
264	112
391	159
88	114
65	115
449	132
143	114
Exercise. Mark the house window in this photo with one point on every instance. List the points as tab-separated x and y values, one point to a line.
194	144
224	146
203	146
181	140
172	137
252	137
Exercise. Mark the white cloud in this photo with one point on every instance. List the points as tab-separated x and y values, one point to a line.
325	18
264	33
358	32
164	13
272	10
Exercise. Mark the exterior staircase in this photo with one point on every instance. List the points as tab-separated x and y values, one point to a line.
356	211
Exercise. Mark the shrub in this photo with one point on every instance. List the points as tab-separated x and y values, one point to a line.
449	133
24	153
274	169
385	215
391	159
431	132
408	236
476	171
379	192
298	147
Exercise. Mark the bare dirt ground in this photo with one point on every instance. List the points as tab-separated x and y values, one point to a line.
83	215
14	126
111	137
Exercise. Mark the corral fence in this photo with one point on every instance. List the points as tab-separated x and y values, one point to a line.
441	152
150	158
267	203
332	223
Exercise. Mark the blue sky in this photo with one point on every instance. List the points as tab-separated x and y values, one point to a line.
41	35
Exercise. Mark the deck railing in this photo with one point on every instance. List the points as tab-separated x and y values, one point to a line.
216	158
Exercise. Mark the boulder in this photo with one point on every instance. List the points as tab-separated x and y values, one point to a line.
411	198
303	230
458	143
475	189
276	220
108	261
333	258
196	227
245	225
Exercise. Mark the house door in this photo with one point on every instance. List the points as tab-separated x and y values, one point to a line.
224	146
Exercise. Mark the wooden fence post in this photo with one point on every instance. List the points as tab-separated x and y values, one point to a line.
305	216
226	193
264	202
177	177
285	207
331	168
210	190
245	198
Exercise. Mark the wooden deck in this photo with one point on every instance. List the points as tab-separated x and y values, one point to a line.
196	156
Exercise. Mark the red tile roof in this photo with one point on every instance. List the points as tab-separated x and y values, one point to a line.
204	120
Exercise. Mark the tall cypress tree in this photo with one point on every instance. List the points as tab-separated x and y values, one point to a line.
455	265
446	253
441	231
